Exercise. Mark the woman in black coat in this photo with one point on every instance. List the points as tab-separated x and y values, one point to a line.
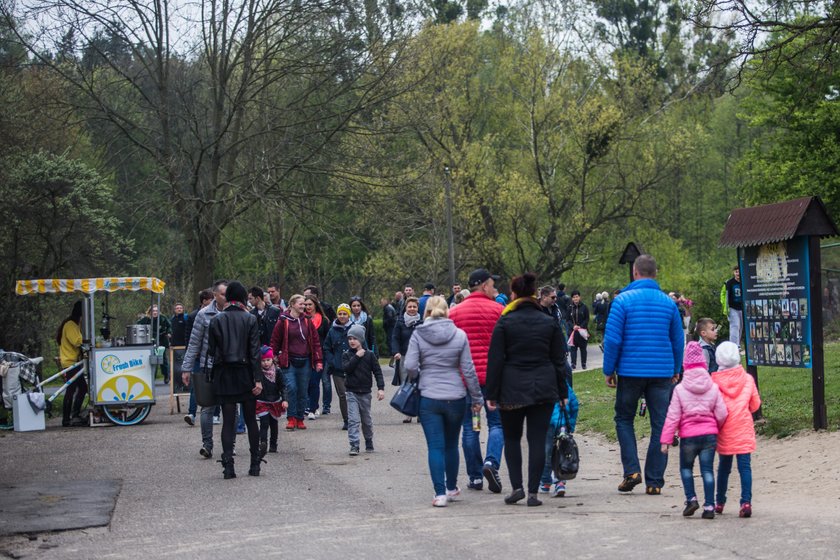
234	344
359	315
400	337
525	377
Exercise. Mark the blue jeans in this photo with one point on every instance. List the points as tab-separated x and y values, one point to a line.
744	470
657	393
313	390
547	476
296	380
326	383
690	449
441	421
193	406
471	445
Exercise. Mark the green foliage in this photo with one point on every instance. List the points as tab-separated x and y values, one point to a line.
794	109
57	222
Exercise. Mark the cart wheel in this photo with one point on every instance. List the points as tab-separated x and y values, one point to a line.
127	414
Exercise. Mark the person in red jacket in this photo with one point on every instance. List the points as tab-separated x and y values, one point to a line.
297	351
477	316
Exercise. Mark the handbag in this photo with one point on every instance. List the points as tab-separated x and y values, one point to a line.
407	399
205	393
565	457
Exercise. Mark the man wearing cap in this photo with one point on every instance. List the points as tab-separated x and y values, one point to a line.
643	351
428	291
477	316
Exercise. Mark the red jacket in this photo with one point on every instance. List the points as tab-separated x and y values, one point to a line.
280	342
477	316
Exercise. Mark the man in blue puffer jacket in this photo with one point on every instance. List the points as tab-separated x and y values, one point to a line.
643	350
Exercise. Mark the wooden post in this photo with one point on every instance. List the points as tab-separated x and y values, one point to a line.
751	370
817	354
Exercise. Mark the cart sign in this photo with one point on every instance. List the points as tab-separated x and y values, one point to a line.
122	375
777	303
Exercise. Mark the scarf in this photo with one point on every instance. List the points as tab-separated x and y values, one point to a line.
362	320
410	320
316	320
514	305
269	373
240	305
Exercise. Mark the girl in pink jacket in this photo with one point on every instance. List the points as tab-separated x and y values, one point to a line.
737	436
696	412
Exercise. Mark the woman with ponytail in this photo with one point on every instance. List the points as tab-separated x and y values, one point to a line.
526	370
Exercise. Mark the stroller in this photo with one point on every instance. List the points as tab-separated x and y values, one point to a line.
18	375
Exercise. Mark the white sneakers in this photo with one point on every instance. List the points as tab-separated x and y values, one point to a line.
453	495
217	420
450	496
311	416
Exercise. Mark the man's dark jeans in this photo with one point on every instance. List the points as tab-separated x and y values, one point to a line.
657	394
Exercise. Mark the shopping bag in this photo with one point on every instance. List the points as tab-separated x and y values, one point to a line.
205	394
407	399
565	457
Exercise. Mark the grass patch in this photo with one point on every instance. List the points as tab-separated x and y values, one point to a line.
785	393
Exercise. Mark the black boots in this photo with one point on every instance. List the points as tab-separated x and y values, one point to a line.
256	459
227	464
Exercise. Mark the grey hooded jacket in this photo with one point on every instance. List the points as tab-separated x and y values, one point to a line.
440	354
199	339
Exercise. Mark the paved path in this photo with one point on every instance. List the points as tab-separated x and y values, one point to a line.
314	501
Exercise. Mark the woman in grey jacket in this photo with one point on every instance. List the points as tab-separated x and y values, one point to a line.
440	354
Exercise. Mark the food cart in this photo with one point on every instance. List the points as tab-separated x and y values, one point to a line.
120	371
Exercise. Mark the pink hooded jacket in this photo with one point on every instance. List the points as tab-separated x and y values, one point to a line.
737	435
696	409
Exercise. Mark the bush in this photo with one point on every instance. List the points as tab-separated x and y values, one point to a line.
379	338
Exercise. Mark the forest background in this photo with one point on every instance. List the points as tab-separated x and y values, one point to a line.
321	142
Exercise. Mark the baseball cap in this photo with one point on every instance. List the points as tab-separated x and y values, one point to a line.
479	276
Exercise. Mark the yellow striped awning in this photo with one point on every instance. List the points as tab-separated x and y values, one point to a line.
89	285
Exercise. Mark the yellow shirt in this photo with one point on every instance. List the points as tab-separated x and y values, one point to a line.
69	351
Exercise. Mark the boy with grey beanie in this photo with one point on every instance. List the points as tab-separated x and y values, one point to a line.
360	364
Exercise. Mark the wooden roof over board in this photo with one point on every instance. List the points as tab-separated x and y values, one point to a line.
769	223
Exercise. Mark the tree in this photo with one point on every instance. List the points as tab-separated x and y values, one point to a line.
57	221
802	25
795	110
546	149
232	110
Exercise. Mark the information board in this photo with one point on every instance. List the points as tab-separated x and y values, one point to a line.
777	305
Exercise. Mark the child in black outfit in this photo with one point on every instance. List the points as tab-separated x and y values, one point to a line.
270	403
359	365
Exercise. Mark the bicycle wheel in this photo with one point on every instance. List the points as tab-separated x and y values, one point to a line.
127	414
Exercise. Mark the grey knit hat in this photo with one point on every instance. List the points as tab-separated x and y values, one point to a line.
357	332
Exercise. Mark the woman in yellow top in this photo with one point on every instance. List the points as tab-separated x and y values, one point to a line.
69	339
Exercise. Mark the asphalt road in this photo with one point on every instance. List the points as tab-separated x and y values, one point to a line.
315	501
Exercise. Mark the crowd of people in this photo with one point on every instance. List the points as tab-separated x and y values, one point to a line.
512	358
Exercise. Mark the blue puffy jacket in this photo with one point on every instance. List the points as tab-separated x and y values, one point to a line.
644	336
558	420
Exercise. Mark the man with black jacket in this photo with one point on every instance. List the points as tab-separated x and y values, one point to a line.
266	315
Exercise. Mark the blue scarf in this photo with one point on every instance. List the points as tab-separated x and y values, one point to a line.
362	320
